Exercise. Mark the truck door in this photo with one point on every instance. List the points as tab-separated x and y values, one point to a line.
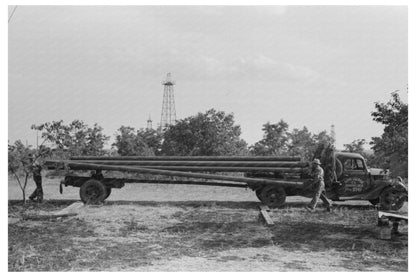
354	178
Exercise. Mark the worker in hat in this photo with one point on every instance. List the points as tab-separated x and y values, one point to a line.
36	169
318	186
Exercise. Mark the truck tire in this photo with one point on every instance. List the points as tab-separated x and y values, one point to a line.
392	199
374	201
273	196
92	192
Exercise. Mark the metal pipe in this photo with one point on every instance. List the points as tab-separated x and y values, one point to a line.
89	166
198	163
188	158
228	169
197	183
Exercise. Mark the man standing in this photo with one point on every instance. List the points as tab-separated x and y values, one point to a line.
318	186
37	177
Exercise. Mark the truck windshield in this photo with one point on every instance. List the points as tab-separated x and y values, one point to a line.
353	164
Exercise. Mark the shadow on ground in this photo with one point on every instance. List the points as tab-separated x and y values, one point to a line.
194	204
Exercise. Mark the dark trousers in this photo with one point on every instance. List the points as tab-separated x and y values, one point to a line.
38	193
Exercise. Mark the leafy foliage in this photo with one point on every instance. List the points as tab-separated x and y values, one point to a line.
143	142
278	140
275	140
205	134
21	159
356	146
76	138
302	143
392	146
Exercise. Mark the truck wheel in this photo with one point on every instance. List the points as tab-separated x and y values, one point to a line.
92	192
258	194
273	196
374	201
392	199
108	192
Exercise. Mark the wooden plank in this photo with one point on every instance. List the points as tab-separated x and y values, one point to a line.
46	216
392	216
265	215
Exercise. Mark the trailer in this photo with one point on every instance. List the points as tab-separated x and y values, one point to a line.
272	178
196	170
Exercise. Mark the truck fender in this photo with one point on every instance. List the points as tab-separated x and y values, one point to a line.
383	185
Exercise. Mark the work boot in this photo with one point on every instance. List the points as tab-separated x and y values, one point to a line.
40	198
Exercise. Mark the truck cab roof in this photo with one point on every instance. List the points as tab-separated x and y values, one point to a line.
348	155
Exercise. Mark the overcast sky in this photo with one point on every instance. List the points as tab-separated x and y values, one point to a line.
310	65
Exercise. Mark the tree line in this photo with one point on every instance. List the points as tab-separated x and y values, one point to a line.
216	133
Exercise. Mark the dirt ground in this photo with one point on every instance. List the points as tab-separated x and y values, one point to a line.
192	228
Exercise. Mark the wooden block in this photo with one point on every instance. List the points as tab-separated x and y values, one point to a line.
265	215
264	207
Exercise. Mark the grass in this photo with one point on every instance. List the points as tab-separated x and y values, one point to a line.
201	235
151	227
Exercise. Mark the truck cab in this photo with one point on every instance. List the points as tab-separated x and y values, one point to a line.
355	181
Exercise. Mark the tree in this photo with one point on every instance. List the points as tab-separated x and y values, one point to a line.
76	138
278	140
356	146
275	140
20	162
323	137
152	138
129	143
302	143
392	146
206	134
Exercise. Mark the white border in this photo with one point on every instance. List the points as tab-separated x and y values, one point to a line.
4	101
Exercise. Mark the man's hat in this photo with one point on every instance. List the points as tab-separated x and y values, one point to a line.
316	161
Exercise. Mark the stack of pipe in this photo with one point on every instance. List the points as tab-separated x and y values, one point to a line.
200	163
192	166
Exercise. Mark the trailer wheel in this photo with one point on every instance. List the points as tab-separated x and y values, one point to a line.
108	192
273	196
93	192
258	194
392	199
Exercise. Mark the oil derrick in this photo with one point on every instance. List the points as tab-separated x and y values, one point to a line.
333	136
149	124
168	116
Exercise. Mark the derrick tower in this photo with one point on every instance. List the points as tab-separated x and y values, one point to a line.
149	123
333	136
168	116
